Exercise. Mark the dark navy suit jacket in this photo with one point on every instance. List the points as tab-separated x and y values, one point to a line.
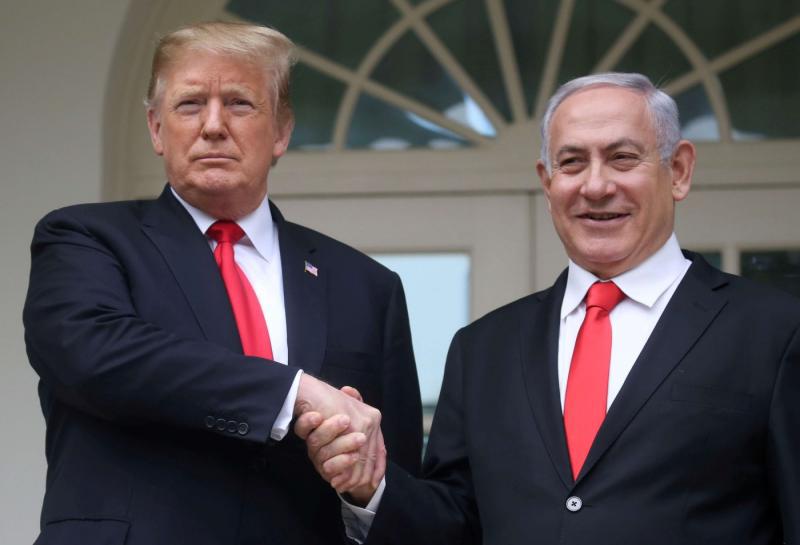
700	446
157	426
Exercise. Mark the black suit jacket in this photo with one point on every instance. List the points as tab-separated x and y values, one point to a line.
157	426
701	445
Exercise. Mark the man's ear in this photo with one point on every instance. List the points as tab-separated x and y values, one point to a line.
154	127
282	138
682	167
545	180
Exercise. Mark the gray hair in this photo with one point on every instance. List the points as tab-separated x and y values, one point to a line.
262	45
662	108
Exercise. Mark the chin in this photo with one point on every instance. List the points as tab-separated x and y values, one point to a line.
600	251
218	184
603	263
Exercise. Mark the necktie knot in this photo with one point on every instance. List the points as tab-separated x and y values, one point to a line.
605	295
225	231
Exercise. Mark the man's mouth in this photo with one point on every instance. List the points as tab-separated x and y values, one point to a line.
214	157
602	216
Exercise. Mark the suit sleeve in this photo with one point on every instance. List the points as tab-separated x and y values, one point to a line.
94	353
439	508
401	406
784	441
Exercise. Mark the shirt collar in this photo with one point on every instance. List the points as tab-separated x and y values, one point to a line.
644	283
257	225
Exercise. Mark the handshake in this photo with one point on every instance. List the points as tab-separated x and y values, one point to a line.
343	437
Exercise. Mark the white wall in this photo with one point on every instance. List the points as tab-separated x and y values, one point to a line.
54	65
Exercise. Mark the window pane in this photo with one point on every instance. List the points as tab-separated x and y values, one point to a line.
763	93
410	69
719	25
379	126
531	24
464	29
698	121
594	28
437	291
655	55
342	30
779	268
315	99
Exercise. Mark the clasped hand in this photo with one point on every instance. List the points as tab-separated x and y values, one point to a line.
343	437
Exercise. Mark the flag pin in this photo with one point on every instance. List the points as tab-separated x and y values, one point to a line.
311	269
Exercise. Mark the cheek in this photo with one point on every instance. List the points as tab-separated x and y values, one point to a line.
560	201
660	200
259	157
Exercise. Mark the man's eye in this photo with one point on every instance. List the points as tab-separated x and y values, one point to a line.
625	160
187	106
570	164
240	103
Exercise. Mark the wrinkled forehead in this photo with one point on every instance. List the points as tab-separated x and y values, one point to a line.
196	59
600	100
199	67
603	110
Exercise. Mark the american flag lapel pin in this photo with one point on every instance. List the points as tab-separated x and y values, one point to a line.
311	269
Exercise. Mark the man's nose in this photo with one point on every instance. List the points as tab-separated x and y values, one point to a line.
215	123
599	182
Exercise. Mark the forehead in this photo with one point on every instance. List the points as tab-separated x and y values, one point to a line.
601	113
202	68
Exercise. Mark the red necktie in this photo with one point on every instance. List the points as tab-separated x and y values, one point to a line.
246	308
587	385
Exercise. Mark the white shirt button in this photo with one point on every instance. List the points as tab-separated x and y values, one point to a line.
574	504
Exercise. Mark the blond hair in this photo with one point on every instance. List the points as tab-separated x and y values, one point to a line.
259	44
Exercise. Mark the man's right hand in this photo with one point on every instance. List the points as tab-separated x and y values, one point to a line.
343	435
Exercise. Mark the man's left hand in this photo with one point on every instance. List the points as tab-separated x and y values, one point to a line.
337	454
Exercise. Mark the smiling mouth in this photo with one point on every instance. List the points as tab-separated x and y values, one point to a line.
602	216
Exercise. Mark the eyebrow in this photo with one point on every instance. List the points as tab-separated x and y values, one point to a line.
187	91
622	142
569	149
616	144
239	88
190	89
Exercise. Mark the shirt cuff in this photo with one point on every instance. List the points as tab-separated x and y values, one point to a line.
281	426
358	520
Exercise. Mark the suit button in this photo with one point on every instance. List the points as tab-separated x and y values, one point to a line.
221	423
243	428
210	421
232	426
574	504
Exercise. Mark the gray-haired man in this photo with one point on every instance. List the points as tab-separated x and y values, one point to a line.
645	397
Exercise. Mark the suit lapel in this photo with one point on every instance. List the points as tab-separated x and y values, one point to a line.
304	296
539	357
691	310
184	248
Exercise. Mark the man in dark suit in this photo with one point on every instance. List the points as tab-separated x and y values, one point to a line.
162	346
645	397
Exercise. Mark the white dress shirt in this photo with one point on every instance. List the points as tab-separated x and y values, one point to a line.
648	288
258	255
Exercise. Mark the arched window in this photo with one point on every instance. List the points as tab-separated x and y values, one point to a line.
417	127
